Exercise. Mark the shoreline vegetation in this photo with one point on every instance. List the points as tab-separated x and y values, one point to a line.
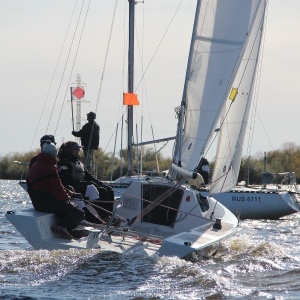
282	160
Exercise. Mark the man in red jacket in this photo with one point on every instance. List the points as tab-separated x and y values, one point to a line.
49	195
44	139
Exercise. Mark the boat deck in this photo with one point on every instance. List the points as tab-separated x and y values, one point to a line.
36	227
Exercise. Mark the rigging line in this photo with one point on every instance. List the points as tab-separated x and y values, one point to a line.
122	89
144	90
102	76
106	55
185	214
255	105
52	79
120	102
142	60
76	53
111	137
157	201
158	46
163	146
120	106
161	198
153	56
65	66
121	158
114	154
139	154
217	131
161	205
249	57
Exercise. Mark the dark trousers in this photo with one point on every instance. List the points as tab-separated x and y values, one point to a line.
105	194
105	191
68	215
88	158
205	176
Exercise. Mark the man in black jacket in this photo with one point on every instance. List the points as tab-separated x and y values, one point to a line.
89	135
73	173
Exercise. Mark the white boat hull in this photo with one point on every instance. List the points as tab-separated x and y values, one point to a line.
251	203
188	229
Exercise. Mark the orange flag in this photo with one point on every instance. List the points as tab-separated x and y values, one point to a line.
130	99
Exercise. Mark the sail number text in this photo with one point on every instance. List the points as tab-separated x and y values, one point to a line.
245	198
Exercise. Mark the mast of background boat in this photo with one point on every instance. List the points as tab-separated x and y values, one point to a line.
130	86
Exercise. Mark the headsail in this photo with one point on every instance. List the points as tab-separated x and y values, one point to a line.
220	32
235	115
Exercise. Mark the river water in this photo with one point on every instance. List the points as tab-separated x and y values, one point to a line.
261	261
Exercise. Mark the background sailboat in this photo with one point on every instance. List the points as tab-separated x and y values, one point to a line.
266	203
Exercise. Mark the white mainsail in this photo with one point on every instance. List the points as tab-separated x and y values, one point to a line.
220	33
235	115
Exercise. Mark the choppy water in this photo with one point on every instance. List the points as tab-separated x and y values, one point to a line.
262	261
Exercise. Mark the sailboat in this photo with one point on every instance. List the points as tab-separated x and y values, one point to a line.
168	217
264	202
268	201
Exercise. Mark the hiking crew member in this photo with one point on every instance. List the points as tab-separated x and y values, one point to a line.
73	173
44	139
89	135
48	195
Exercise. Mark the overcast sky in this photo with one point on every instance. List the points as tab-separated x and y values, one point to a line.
32	38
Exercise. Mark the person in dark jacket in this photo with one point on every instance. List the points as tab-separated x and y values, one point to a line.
204	169
48	194
89	135
73	173
44	139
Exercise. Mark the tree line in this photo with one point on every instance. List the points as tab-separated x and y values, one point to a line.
107	167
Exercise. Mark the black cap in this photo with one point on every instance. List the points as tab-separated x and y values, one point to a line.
91	114
46	138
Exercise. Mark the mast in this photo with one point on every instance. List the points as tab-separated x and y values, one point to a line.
130	86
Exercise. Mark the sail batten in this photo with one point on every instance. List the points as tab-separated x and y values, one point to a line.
219	41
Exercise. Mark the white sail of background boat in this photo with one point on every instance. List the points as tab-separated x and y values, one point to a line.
267	202
234	118
162	217
264	202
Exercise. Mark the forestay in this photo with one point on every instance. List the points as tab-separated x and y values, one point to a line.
218	41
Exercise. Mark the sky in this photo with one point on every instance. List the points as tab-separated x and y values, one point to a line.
41	57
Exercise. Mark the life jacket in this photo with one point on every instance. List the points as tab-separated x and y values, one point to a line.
77	171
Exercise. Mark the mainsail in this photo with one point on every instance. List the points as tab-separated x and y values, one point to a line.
235	115
220	34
